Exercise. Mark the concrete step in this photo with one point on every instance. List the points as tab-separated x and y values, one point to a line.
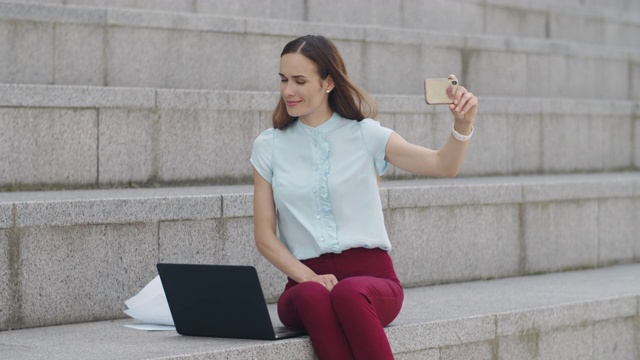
75	256
81	137
588	314
614	23
49	44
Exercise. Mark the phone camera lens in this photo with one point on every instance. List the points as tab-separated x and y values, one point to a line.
454	82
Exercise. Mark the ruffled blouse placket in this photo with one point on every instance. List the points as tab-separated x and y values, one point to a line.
326	224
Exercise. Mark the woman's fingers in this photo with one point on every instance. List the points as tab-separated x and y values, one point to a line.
469	103
464	101
327	280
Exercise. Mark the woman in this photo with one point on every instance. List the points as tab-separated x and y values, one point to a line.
315	176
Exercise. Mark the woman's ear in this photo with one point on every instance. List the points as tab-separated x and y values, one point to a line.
329	83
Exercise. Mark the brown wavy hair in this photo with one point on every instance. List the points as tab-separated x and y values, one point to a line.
346	98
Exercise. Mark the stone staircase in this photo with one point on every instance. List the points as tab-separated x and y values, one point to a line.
127	127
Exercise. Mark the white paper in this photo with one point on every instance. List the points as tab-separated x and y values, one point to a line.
150	305
151	327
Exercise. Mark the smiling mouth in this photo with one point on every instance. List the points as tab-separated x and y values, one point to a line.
292	103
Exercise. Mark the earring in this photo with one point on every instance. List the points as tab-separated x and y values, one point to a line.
328	91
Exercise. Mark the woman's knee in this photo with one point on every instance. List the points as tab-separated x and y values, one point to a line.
349	291
300	302
367	296
306	295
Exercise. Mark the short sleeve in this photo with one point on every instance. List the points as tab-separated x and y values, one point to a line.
261	155
375	138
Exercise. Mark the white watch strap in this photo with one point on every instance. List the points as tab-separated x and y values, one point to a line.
461	137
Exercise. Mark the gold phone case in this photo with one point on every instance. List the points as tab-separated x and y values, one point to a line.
435	91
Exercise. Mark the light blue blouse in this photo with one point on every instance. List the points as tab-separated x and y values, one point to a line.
325	185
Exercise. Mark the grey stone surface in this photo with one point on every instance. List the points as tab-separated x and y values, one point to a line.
585	70
473	351
578	28
225	241
127	146
6	217
237	205
56	2
546	69
614	339
432	320
567	143
36	96
429	354
193	136
120	209
613	69
543	302
560	235
172	21
38	12
6	289
251	61
483	65
79	55
432	246
573	187
408	60
444	193
211	152
289	9
617	145
429	15
636	136
523	144
571	343
362	12
165	49
637	215
416	128
515	22
429	40
169	99
142	57
418	335
26	52
634	79
164	5
490	137
617	230
518	346
167	203
546	319
193	241
41	146
79	274
592	24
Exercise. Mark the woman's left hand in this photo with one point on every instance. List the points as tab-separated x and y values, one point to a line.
464	107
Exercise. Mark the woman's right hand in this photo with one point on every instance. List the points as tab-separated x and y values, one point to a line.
328	280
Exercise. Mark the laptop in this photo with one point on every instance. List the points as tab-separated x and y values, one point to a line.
219	301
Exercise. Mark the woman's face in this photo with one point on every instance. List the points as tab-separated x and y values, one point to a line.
301	88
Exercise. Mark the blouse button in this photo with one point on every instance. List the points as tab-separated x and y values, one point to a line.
322	239
317	216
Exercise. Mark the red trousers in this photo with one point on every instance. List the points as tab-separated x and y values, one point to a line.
346	322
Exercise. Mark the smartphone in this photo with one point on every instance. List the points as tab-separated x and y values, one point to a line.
435	90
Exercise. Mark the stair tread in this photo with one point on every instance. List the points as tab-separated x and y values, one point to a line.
191	191
432	316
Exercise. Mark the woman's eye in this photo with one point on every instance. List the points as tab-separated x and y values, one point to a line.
300	82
